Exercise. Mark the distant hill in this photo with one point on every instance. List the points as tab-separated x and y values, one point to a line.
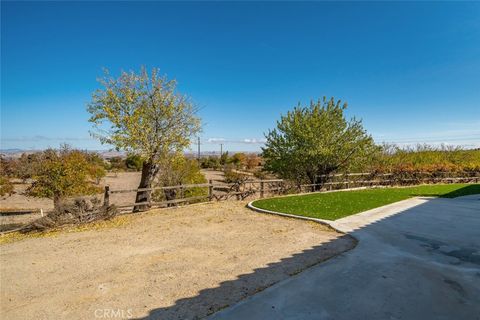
8	151
17	153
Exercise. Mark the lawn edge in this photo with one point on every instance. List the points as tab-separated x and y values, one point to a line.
326	223
330	223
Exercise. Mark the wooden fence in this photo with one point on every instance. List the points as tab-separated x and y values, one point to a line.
216	190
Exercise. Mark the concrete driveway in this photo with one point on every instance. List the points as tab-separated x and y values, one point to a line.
416	259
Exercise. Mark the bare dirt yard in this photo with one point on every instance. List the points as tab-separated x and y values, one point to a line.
176	263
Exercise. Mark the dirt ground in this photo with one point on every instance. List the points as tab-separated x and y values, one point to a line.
180	263
19	200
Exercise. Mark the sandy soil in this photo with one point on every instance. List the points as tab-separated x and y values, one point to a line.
122	180
19	200
215	175
167	264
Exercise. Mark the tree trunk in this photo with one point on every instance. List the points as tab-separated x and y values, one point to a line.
312	179
319	182
148	174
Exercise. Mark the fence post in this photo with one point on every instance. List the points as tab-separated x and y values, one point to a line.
210	190
237	189
262	189
106	196
182	191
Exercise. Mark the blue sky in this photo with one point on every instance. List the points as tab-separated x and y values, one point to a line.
411	71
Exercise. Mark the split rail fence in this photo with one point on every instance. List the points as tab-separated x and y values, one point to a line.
217	190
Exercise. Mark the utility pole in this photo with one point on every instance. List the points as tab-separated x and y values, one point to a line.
221	149
198	144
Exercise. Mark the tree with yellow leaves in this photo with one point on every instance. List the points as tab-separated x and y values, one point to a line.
143	113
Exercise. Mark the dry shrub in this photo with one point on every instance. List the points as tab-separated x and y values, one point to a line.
80	211
426	159
6	186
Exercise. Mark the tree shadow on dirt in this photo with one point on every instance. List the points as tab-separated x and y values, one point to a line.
210	300
227	293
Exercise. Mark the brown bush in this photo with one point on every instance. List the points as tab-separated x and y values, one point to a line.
6	186
81	211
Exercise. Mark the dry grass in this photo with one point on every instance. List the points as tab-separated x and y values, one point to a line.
116	222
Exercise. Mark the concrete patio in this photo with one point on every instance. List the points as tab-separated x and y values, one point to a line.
416	259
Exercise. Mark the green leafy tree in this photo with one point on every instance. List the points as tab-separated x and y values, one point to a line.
224	158
143	114
134	161
61	174
210	162
178	170
316	140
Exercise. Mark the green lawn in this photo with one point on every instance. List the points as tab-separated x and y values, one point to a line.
336	205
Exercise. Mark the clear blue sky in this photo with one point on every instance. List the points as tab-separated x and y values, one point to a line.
411	71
